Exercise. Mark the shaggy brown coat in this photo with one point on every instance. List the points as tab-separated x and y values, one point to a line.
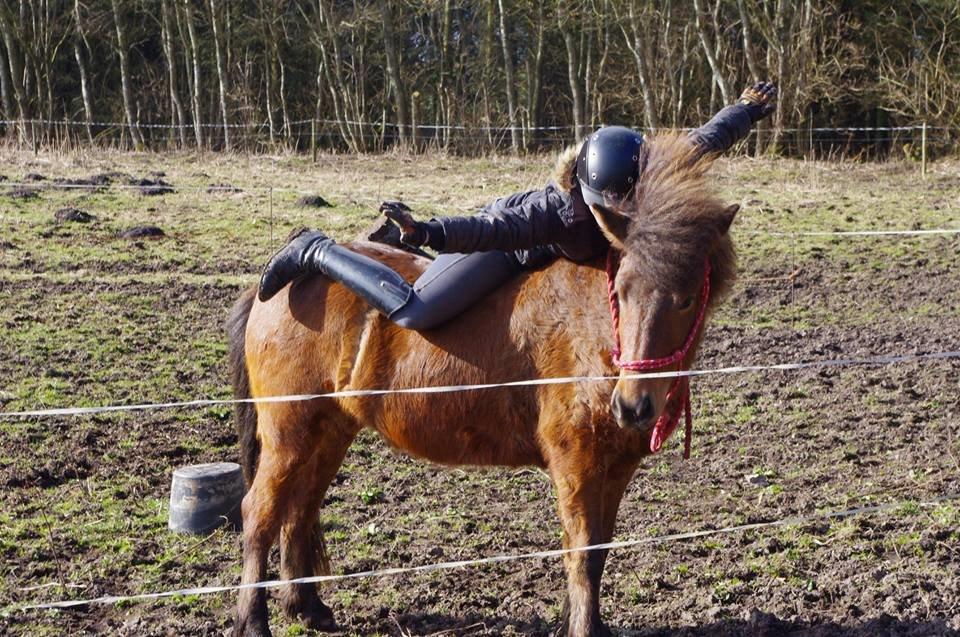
315	337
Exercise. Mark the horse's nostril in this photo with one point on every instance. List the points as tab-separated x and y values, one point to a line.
616	406
630	414
645	408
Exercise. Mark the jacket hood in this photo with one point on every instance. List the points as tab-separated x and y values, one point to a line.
564	173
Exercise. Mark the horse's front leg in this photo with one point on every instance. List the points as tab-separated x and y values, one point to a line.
580	502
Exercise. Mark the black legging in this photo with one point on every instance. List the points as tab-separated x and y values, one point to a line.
453	283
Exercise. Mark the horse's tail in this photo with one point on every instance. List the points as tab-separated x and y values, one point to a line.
245	414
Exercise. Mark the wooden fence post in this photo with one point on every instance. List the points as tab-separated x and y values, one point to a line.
313	139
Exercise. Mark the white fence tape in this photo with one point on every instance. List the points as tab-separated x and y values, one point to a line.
347	122
445	389
498	559
851	233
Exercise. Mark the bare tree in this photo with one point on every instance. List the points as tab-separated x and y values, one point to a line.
636	42
221	70
193	68
535	70
393	70
8	28
508	76
710	51
5	87
176	107
125	80
565	23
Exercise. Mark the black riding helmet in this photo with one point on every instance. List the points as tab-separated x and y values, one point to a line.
608	165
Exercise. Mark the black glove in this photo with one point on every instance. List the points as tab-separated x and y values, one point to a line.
412	232
759	100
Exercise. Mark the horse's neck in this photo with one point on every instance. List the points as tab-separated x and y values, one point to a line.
566	299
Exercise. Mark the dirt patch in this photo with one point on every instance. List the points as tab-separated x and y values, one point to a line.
72	214
223	188
152	187
94	182
23	193
313	201
143	232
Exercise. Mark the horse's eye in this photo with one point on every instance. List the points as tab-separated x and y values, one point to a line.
686	303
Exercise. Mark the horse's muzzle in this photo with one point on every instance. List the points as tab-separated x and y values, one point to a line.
635	415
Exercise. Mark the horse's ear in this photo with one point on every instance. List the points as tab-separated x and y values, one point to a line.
726	219
614	225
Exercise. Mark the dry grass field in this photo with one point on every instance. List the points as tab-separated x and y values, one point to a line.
89	318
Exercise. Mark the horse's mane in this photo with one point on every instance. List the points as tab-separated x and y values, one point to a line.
677	217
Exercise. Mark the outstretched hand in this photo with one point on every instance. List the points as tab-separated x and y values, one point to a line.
760	98
411	231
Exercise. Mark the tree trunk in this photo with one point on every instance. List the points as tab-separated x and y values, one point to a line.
747	42
221	72
283	97
125	82
176	115
781	31
638	48
393	70
6	90
444	94
508	73
17	72
78	53
193	68
266	16
487	71
678	113
335	83
711	53
573	75
534	73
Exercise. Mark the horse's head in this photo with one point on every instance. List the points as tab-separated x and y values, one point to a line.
672	240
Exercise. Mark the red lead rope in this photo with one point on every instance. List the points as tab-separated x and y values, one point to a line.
680	390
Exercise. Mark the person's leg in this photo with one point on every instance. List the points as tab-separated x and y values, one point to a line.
453	283
312	252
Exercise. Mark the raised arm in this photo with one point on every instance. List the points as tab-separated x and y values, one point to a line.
734	122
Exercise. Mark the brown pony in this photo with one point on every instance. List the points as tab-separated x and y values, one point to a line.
316	337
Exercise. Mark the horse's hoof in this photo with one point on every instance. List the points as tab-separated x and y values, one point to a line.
251	627
319	617
598	629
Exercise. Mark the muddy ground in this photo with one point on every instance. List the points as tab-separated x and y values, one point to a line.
89	318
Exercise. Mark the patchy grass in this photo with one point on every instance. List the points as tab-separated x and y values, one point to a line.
89	318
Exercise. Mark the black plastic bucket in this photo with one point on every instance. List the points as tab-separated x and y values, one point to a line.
205	496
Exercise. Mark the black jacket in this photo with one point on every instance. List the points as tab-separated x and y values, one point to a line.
540	225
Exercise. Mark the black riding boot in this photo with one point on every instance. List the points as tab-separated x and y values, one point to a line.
312	252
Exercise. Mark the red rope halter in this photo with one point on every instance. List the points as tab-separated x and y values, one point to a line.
680	390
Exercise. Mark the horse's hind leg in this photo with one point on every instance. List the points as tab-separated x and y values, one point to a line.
290	446
263	511
302	549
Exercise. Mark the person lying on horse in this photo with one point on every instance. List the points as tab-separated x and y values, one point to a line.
522	231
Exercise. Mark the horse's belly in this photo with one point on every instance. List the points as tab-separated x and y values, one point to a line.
459	430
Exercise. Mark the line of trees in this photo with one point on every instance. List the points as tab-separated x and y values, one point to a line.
467	76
